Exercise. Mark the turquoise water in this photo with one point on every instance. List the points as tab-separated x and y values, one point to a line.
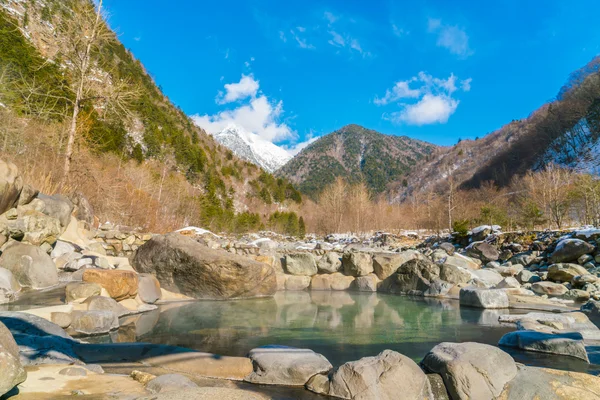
343	326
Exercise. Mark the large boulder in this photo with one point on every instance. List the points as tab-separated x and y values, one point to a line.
185	266
366	283
281	365
471	370
385	265
57	206
357	264
9	286
458	260
11	184
415	277
330	263
483	251
120	285
489	277
565	272
389	375
567	344
297	282
303	264
483	298
30	265
570	250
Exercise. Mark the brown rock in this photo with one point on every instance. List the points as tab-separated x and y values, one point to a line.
120	285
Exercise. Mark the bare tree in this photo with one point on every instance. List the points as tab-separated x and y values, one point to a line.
332	203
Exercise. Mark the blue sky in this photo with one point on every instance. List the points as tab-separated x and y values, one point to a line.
292	71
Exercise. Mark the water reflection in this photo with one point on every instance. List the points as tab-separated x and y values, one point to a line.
344	326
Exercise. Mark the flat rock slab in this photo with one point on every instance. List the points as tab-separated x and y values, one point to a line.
46	382
551	384
281	365
176	359
566	344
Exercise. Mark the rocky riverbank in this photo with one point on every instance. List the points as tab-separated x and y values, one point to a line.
110	277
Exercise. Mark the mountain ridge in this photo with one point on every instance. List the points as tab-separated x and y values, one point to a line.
356	154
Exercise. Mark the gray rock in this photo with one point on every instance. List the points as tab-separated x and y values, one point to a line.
57	206
454	274
461	261
302	264
471	370
330	263
185	266
508	282
169	383
591	308
27	195
357	264
438	388
489	277
577	295
81	290
414	277
30	265
94	322
11	185
102	303
526	276
389	375
448	248
385	265
570	250
483	298
366	283
566	344
281	365
8	283
483	251
149	288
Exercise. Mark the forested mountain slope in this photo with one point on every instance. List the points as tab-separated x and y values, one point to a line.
355	153
144	135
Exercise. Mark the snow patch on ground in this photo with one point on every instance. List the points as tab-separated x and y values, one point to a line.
196	230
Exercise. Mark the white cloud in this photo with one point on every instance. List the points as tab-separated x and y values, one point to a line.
435	99
451	37
257	114
400	90
337	39
431	109
246	87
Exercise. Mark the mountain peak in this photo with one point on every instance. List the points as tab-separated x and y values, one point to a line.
252	148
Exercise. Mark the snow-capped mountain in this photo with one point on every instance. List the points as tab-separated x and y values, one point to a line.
253	148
